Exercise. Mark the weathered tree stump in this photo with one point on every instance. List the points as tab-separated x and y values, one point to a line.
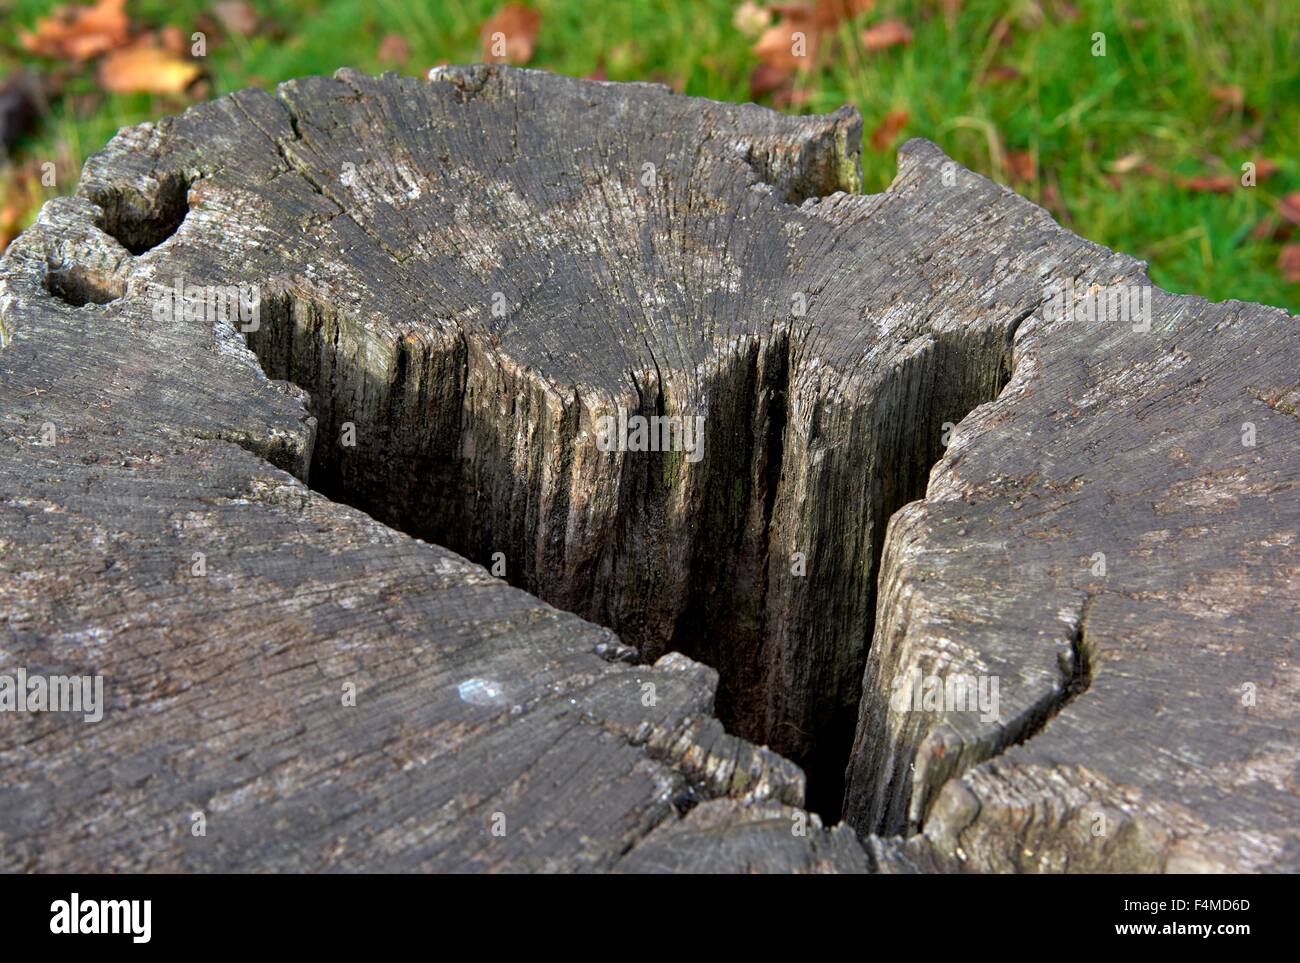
448	286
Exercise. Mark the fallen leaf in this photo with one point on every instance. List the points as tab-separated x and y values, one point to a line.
79	33
1229	98
173	38
509	34
766	78
829	14
1264	168
888	128
886	34
1001	73
1126	164
1209	183
394	49
1267	229
751	19
236	17
1288	262
146	69
790	97
789	45
1289	207
1022	165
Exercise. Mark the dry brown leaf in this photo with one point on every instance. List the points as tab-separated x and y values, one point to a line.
394	49
1209	183
1288	262
886	34
173	39
509	34
790	44
1289	207
236	17
789	97
1232	95
146	69
1266	229
888	128
829	14
79	33
766	78
1000	73
1022	165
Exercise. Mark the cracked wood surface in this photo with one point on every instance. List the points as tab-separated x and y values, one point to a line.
380	217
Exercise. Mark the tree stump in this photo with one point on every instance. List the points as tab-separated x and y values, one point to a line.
321	419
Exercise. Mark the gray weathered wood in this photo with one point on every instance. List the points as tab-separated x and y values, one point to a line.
665	255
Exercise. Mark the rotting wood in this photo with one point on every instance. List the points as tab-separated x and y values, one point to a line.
462	276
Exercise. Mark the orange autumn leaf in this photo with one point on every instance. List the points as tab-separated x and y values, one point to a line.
174	39
1288	262
509	34
765	79
829	14
787	98
1022	165
788	45
1268	229
1289	207
79	33
1000	73
145	69
394	49
1209	183
887	130
886	34
1232	96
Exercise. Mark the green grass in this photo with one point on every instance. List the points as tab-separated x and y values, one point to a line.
1076	113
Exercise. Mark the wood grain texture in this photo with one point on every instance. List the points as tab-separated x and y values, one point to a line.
666	256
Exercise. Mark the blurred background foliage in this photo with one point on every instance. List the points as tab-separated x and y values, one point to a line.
1141	149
